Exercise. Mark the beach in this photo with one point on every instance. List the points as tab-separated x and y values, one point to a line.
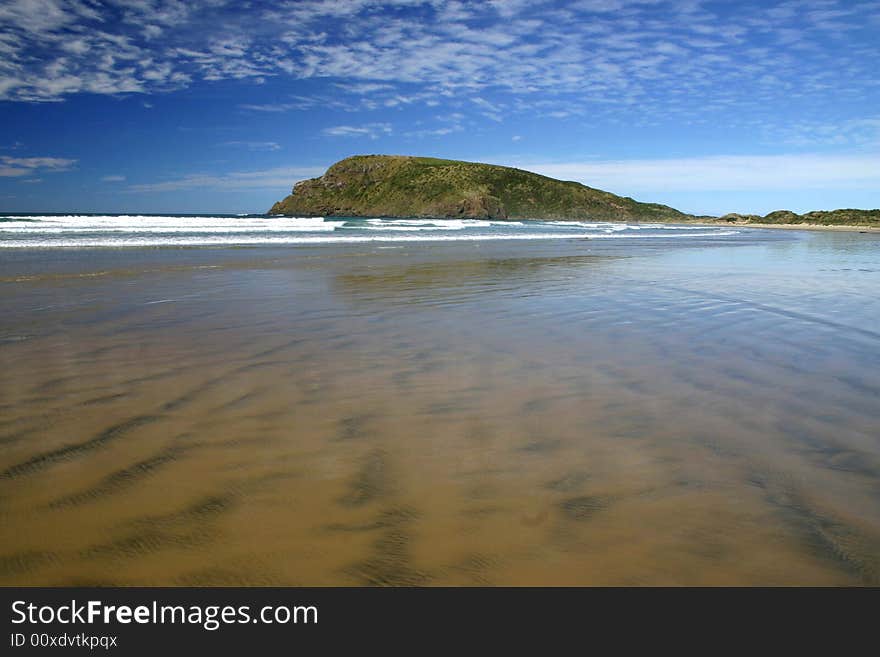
681	408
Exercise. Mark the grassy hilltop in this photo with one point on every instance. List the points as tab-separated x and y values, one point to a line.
404	186
843	217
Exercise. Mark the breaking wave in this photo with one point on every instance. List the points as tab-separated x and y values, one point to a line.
124	231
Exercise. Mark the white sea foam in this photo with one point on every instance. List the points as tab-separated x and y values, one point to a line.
615	227
406	222
84	231
155	224
409	229
673	227
158	220
168	229
602	225
404	228
423	224
719	233
255	240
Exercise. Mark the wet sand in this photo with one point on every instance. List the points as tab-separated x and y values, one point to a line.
571	413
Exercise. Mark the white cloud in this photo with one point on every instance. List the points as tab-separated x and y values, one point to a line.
255	146
276	178
36	16
76	46
489	110
721	173
363	87
864	132
272	107
371	130
315	101
15	167
435	132
54	163
113	179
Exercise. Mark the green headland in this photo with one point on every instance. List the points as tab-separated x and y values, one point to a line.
407	186
404	186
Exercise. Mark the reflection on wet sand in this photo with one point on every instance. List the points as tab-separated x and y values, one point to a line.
464	415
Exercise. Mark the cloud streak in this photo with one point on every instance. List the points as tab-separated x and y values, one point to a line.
371	130
721	173
15	167
255	146
275	178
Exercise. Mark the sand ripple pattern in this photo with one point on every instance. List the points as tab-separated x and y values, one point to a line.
565	413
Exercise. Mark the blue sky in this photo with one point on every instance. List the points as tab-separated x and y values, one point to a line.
216	106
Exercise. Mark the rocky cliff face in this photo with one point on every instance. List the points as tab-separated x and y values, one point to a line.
404	186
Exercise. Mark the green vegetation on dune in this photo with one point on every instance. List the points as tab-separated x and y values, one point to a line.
404	186
844	217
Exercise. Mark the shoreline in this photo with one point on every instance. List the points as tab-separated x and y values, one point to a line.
846	228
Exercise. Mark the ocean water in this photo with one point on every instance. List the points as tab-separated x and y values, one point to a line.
82	231
572	404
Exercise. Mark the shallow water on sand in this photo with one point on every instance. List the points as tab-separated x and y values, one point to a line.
565	412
